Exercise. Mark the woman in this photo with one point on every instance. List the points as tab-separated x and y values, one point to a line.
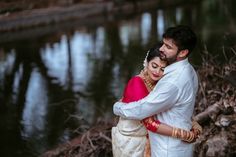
129	137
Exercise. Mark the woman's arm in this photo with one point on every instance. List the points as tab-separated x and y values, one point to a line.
156	126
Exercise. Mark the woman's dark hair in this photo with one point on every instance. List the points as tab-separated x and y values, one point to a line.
153	52
182	36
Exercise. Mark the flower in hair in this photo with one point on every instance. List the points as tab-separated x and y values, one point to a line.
145	63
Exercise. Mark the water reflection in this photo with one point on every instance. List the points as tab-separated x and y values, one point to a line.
33	116
160	21
82	70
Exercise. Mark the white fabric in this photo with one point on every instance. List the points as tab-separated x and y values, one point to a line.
128	138
173	101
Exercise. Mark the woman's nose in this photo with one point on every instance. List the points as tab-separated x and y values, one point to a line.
158	70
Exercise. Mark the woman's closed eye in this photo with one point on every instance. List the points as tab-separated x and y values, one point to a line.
162	68
154	65
157	66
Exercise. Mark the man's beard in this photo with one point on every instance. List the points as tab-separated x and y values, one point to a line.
169	60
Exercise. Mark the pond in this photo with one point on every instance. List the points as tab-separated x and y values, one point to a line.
61	77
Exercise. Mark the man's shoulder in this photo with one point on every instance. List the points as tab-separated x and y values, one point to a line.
179	76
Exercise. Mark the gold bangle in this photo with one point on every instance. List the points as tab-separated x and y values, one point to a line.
173	132
176	132
179	133
188	135
182	134
190	139
158	125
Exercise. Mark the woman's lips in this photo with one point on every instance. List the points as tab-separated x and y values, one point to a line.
156	75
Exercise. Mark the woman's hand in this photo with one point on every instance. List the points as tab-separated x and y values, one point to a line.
186	136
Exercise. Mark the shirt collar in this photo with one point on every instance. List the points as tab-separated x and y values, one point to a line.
175	66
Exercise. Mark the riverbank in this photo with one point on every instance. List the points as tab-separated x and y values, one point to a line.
16	15
55	14
215	110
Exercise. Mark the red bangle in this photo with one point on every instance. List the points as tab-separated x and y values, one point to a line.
152	126
158	122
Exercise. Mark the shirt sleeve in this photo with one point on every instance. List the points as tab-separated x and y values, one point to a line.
134	90
163	97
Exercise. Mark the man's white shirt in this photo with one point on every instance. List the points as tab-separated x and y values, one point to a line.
172	100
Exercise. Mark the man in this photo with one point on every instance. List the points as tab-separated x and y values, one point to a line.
173	98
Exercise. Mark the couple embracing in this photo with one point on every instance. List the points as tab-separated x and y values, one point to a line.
158	104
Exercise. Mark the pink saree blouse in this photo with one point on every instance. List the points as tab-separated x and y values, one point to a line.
134	91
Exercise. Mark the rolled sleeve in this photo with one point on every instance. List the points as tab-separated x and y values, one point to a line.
162	98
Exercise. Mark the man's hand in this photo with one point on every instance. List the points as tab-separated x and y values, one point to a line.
196	128
194	139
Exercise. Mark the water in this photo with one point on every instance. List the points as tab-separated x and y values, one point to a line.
58	78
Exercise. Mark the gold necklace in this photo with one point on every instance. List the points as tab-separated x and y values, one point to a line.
148	83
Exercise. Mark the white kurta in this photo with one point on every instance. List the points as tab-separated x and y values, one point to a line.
128	138
173	101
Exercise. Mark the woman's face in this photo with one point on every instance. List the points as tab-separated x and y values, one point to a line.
155	68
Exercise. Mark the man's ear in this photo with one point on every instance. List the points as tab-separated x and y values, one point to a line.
183	53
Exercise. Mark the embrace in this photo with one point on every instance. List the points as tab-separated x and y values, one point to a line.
157	105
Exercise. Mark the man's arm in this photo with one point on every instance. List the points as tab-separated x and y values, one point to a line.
162	98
